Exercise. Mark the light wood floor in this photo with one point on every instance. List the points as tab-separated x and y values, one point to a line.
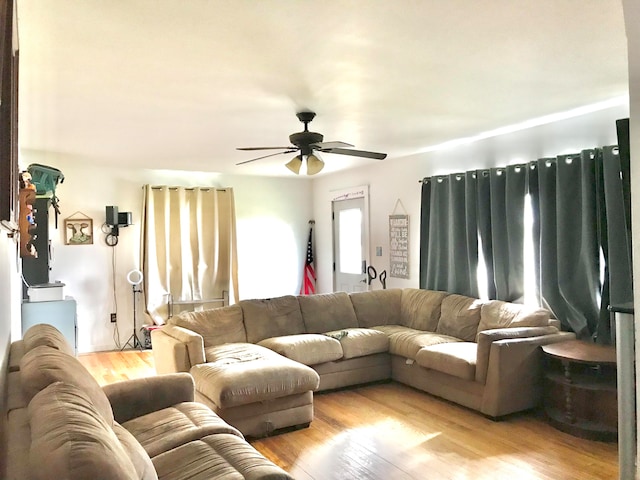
389	431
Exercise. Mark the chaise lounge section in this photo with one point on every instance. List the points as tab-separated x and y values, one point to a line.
483	355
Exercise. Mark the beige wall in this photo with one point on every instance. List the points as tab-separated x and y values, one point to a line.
272	217
398	180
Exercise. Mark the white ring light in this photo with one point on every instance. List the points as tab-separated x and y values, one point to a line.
134	277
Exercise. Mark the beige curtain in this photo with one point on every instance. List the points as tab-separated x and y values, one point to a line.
188	246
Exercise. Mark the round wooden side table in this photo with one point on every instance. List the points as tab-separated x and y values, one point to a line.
580	395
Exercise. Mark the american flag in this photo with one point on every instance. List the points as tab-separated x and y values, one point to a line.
309	275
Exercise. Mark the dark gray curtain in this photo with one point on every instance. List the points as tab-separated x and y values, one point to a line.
580	216
459	207
508	188
534	196
484	227
568	240
425	219
449	245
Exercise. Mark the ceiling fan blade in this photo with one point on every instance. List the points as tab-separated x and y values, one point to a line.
330	145
265	156
355	153
263	148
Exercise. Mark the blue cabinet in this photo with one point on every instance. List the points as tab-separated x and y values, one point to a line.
59	313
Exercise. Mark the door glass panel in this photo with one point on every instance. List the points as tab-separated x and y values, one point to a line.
350	240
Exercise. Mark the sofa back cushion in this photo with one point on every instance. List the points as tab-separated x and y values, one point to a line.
459	317
499	314
215	325
47	335
420	309
377	307
71	440
271	317
43	366
328	311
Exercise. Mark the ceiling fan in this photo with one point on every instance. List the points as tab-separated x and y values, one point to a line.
306	143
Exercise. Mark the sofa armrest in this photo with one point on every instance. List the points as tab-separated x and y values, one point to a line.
487	337
554	322
514	373
176	349
134	398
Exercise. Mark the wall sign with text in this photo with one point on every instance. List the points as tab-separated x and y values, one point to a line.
399	246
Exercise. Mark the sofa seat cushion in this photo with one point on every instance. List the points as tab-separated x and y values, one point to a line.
241	373
391	329
71	440
359	342
457	359
306	348
171	427
216	456
215	325
459	317
408	342
137	454
43	366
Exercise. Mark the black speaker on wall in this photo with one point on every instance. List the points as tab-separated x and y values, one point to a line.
124	219
112	215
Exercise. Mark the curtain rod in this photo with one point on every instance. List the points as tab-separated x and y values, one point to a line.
533	163
159	187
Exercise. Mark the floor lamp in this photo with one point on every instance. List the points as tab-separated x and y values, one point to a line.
134	277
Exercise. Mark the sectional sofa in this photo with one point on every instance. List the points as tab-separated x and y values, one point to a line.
258	363
63	425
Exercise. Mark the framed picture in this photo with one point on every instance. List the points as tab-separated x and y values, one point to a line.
78	230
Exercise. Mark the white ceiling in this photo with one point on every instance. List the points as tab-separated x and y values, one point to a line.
179	84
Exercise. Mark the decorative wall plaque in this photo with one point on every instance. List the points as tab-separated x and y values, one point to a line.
399	246
78	229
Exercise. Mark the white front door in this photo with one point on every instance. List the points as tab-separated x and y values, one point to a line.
349	245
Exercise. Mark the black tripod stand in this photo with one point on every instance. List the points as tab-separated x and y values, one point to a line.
134	341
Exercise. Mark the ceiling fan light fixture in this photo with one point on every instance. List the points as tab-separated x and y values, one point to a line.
314	164
295	164
307	142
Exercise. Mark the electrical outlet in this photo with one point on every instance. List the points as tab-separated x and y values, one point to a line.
114	318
